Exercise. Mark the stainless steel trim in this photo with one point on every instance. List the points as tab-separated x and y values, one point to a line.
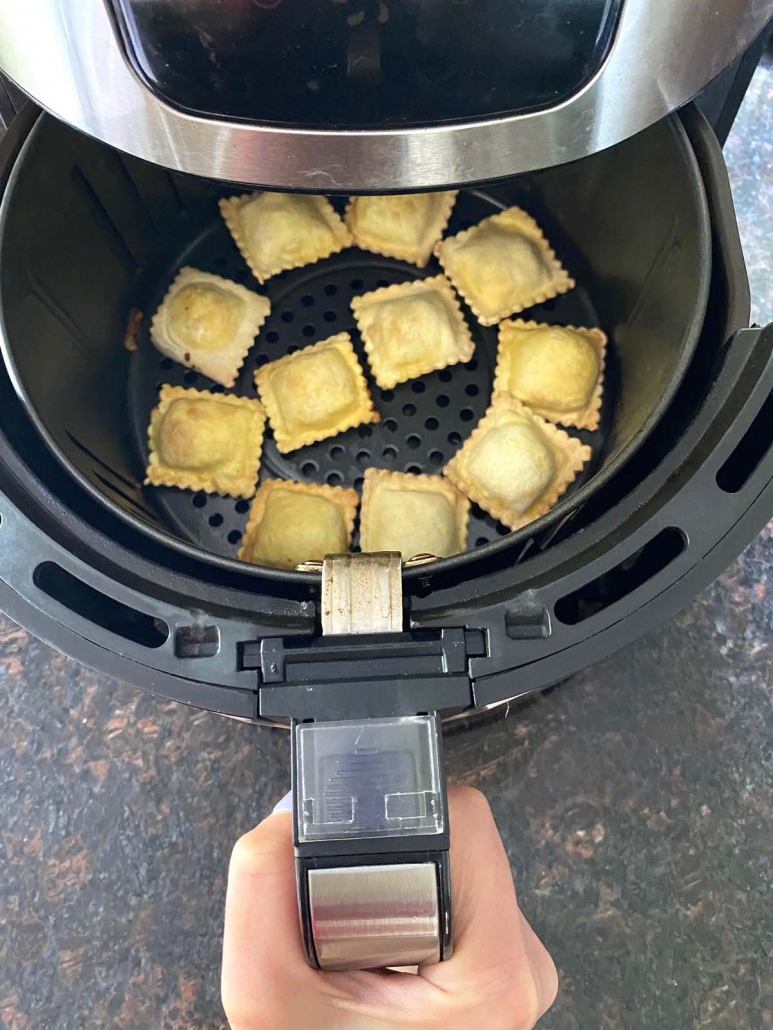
376	916
66	55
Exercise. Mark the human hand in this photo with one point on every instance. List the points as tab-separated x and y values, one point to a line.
500	976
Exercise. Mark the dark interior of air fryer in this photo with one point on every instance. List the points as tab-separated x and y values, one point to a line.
97	236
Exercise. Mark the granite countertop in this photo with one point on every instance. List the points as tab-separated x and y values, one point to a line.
635	801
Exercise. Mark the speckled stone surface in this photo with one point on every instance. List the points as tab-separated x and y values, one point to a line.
635	801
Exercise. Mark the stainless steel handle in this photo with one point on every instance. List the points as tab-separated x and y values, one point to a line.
375	916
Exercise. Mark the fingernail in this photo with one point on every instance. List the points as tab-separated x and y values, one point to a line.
286	803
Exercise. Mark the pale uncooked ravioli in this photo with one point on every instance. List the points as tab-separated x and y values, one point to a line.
556	371
315	393
412	514
277	231
411	329
204	441
502	265
290	523
208	323
516	465
405	226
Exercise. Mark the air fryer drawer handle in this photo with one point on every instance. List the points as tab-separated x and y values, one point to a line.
370	813
370	822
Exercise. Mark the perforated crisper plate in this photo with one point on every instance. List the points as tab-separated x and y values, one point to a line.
423	421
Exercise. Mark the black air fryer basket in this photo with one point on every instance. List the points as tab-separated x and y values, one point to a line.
144	583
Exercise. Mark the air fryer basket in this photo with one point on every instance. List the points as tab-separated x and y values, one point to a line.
109	586
87	235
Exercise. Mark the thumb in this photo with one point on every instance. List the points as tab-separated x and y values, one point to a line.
262	947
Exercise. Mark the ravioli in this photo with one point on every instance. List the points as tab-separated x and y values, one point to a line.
405	226
290	523
205	441
315	393
502	265
412	514
208	323
277	231
556	371
516	465
411	329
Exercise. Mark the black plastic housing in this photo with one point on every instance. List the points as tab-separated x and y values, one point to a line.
125	598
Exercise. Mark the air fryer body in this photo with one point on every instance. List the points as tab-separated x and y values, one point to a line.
363	655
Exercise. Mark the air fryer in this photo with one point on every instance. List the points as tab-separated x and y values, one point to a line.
144	583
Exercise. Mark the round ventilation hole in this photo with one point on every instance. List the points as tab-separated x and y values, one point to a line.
331	289
199	500
307	300
436	457
190	378
356	284
330	316
364	432
387	396
358	483
481	541
415	469
242	507
234	536
363	458
413	441
272	336
333	479
166	364
466	414
336	451
390	425
418	386
287	316
445	375
308	330
389	452
442	401
431	423
216	520
409	409
472	389
502	530
454	439
308	468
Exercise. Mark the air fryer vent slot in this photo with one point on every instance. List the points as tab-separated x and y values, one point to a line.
749	451
97	607
615	584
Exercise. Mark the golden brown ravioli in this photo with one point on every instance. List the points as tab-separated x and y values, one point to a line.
277	231
413	514
290	523
208	323
515	465
405	226
205	441
502	265
315	393
411	329
556	371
